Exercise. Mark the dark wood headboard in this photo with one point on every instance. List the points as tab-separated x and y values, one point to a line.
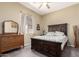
58	27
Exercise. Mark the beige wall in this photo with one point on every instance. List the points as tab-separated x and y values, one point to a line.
68	15
11	11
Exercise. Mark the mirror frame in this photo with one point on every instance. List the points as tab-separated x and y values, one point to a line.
4	27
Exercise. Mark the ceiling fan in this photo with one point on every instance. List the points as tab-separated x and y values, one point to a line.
46	4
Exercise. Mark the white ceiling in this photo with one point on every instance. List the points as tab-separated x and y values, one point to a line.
54	6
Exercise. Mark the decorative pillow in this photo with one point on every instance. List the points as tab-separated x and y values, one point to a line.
50	33
58	33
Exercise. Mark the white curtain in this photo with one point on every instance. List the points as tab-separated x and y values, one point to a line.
23	23
26	27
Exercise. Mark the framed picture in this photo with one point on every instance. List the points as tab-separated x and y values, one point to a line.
38	27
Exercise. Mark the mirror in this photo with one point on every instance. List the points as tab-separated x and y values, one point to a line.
10	27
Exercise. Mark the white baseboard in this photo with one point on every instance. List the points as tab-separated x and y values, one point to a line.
71	45
27	44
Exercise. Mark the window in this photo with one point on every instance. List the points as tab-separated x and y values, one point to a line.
29	21
26	24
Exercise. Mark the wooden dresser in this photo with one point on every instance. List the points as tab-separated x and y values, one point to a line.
76	33
9	42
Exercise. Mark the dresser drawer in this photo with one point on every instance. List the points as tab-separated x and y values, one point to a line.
11	42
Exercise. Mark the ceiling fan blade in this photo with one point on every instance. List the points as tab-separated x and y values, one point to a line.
47	6
40	5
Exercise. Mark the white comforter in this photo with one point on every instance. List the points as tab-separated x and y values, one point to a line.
62	39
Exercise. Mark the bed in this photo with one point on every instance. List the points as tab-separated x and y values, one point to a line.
51	45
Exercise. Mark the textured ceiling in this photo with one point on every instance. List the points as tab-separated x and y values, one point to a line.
54	6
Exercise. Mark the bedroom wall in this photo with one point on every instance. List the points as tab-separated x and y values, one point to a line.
11	11
68	15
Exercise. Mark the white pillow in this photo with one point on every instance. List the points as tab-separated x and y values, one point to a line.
50	33
58	33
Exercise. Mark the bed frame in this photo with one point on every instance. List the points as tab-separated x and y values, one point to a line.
47	47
